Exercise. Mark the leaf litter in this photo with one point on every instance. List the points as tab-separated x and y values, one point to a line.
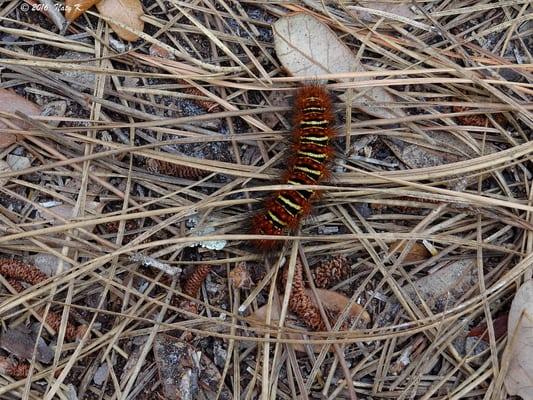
518	379
434	116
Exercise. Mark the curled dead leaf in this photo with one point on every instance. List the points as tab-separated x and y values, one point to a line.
10	102
240	277
499	325
74	8
418	251
335	303
7	139
307	47
17	342
519	380
332	301
157	51
66	211
125	12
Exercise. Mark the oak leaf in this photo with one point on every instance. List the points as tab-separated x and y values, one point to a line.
331	301
74	8
372	11
519	378
417	252
10	102
307	47
125	12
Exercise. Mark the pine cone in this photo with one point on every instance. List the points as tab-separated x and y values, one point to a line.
329	272
17	272
207	105
54	321
13	369
300	303
476	119
167	168
20	271
17	285
194	281
112	227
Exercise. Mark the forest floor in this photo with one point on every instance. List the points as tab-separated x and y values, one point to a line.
138	140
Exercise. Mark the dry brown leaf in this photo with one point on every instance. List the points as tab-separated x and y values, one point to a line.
519	378
4	167
440	290
398	10
158	51
307	47
335	303
332	301
499	325
240	277
418	251
7	139
126	12
66	212
11	102
17	342
20	343
74	8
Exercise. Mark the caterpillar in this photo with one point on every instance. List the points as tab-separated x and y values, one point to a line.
311	153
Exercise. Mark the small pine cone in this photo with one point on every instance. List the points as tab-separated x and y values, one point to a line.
16	271
240	277
207	105
167	168
54	321
13	369
476	119
112	227
80	331
20	370
17	285
328	273
300	303
20	271
188	306
194	281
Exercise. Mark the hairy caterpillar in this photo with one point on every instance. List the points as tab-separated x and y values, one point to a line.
311	153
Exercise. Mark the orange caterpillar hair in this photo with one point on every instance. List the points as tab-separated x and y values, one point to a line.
311	154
